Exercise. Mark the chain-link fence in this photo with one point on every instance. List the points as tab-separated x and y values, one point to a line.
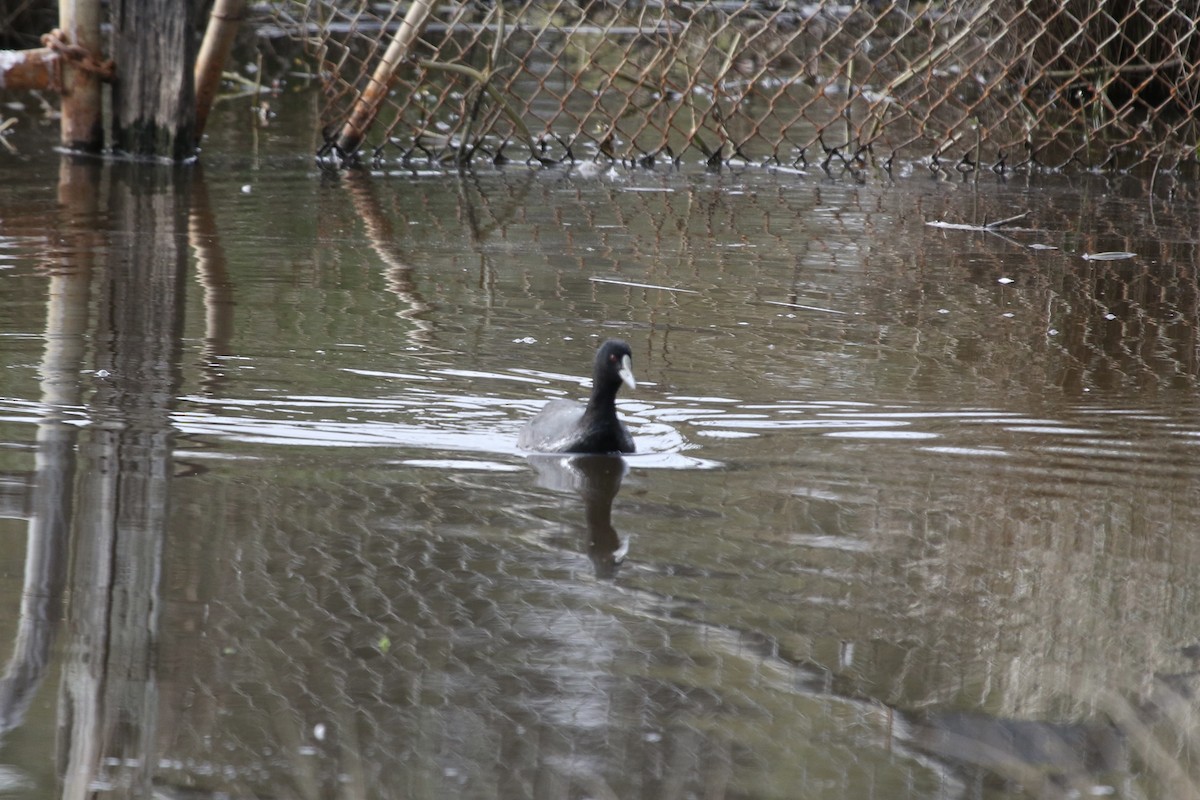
999	84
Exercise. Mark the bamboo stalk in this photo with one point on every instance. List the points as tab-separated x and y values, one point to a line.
223	24
366	108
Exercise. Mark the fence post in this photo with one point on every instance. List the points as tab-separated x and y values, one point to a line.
81	128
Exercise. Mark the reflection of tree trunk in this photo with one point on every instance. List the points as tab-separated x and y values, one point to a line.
109	698
50	517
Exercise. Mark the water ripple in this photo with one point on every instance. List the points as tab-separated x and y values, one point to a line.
418	419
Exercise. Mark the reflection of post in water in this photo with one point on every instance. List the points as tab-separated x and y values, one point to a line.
399	275
483	216
50	504
212	271
597	479
109	705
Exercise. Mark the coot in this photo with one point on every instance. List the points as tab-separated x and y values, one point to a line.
564	426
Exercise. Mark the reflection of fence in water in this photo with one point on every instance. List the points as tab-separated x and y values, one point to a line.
399	646
405	635
1114	321
991	83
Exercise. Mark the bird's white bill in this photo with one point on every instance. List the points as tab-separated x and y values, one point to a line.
626	372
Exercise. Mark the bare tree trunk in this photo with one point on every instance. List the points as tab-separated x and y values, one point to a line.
154	98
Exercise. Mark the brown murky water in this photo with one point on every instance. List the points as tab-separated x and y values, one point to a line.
913	513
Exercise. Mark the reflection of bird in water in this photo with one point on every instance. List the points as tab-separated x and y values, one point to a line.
564	426
597	479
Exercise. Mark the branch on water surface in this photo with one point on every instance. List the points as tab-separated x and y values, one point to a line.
987	226
993	228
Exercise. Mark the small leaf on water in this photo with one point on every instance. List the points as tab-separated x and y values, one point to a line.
1114	255
384	643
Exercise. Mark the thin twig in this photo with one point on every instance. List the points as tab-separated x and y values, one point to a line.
1001	222
482	80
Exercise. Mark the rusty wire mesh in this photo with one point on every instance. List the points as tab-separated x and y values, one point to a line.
958	84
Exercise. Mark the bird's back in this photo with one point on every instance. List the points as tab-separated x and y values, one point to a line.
563	426
553	429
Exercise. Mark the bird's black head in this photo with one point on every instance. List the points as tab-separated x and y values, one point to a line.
614	364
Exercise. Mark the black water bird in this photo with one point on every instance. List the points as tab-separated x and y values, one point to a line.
564	426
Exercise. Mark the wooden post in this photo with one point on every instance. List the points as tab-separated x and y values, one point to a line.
222	27
81	128
367	106
154	97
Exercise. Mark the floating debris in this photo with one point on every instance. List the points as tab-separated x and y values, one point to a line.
643	285
954	226
1113	255
987	226
801	305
